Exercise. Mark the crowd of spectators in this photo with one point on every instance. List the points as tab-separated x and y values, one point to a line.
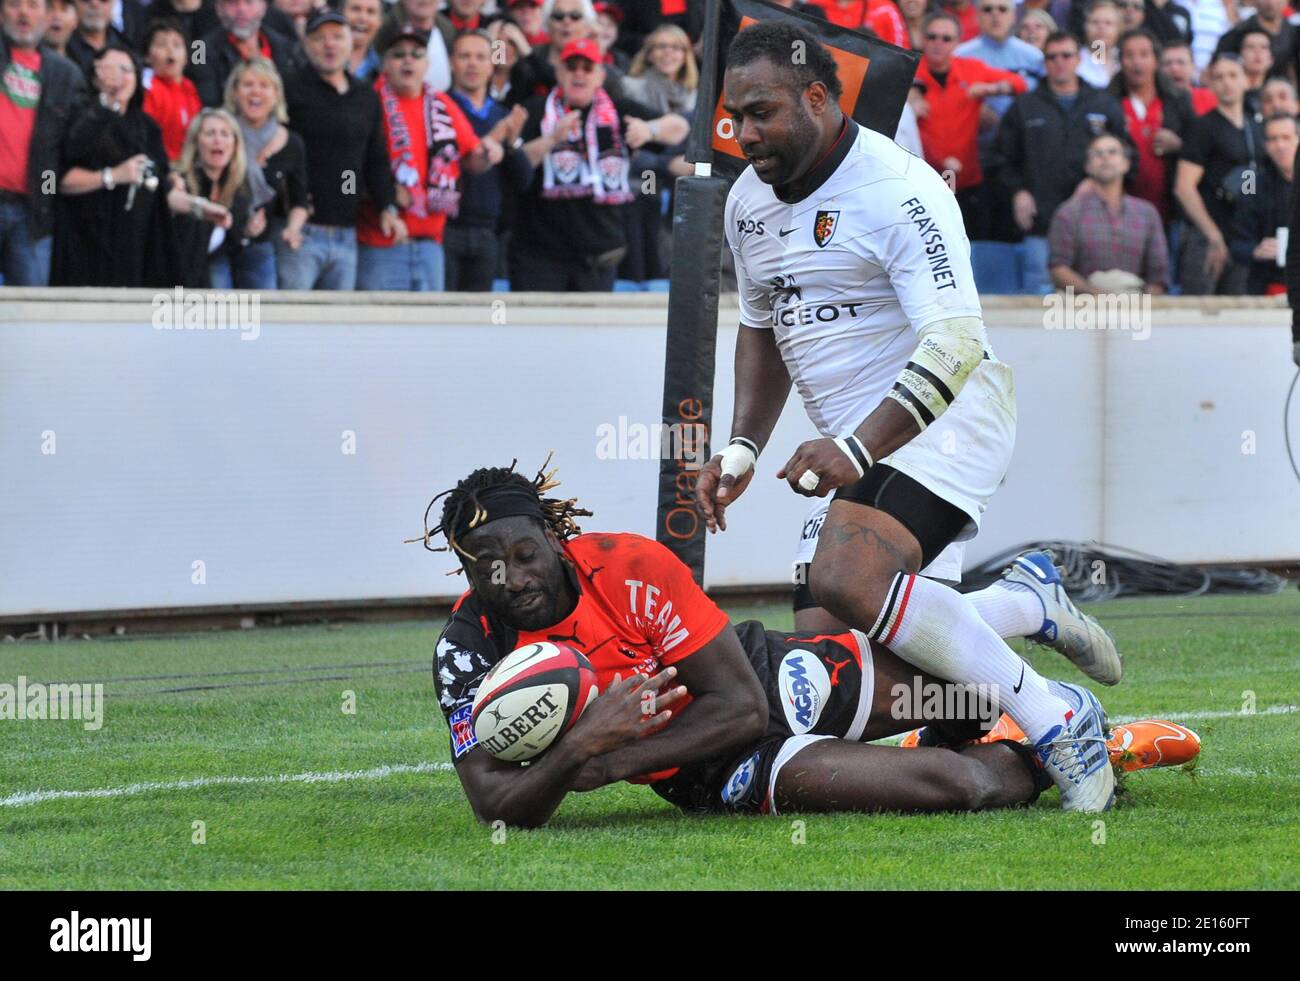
458	145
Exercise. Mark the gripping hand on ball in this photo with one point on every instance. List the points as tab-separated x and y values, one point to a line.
629	709
824	459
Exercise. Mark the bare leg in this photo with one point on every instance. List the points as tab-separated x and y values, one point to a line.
892	707
834	775
816	620
864	574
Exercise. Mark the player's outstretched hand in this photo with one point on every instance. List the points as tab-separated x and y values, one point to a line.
824	458
629	709
714	490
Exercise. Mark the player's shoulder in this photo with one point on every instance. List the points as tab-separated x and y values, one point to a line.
467	629
885	182
618	550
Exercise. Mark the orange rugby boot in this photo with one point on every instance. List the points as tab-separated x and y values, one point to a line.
1151	742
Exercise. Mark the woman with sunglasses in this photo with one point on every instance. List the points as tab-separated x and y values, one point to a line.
566	21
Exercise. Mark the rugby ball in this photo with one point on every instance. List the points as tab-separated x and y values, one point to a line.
530	698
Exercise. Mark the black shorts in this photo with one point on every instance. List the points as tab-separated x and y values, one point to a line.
817	686
933	522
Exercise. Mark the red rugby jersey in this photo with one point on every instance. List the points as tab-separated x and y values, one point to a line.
638	609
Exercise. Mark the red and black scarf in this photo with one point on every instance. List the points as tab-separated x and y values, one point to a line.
593	162
440	194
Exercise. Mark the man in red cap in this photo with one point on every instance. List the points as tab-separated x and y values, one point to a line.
569	234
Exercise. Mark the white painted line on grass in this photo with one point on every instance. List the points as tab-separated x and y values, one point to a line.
1194	716
1241	771
380	772
129	790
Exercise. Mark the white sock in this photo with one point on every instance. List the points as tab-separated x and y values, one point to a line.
935	628
1009	608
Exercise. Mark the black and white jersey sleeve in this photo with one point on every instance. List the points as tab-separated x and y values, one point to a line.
463	657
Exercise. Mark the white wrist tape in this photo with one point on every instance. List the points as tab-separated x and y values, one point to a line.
854	449
737	460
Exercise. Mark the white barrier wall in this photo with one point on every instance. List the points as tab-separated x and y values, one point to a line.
148	468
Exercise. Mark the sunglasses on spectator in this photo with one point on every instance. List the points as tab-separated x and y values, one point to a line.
995	10
941	37
573	15
415	54
1059	55
580	65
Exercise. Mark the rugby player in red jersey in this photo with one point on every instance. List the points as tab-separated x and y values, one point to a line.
733	704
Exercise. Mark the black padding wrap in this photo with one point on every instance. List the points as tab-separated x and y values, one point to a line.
753	447
1028	757
949	733
932	521
498	502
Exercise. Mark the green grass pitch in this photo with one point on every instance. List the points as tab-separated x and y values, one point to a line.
384	811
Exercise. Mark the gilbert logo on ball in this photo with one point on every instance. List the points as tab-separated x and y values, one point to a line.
530	698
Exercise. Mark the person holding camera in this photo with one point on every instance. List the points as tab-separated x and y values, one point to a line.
112	226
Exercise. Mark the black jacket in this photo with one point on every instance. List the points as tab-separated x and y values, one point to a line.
1256	218
97	240
83	55
63	90
343	133
193	235
210	77
1041	146
1293	261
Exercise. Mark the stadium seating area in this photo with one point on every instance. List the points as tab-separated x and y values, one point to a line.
260	145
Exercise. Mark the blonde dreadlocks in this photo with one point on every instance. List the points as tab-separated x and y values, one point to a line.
466	506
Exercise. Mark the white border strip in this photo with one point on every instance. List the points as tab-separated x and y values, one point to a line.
337	776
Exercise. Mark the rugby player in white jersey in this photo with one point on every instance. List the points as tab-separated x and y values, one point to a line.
855	285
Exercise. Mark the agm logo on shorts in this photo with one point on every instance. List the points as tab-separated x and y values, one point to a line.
804	686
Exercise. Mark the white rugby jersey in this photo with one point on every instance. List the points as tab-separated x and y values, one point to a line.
865	251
